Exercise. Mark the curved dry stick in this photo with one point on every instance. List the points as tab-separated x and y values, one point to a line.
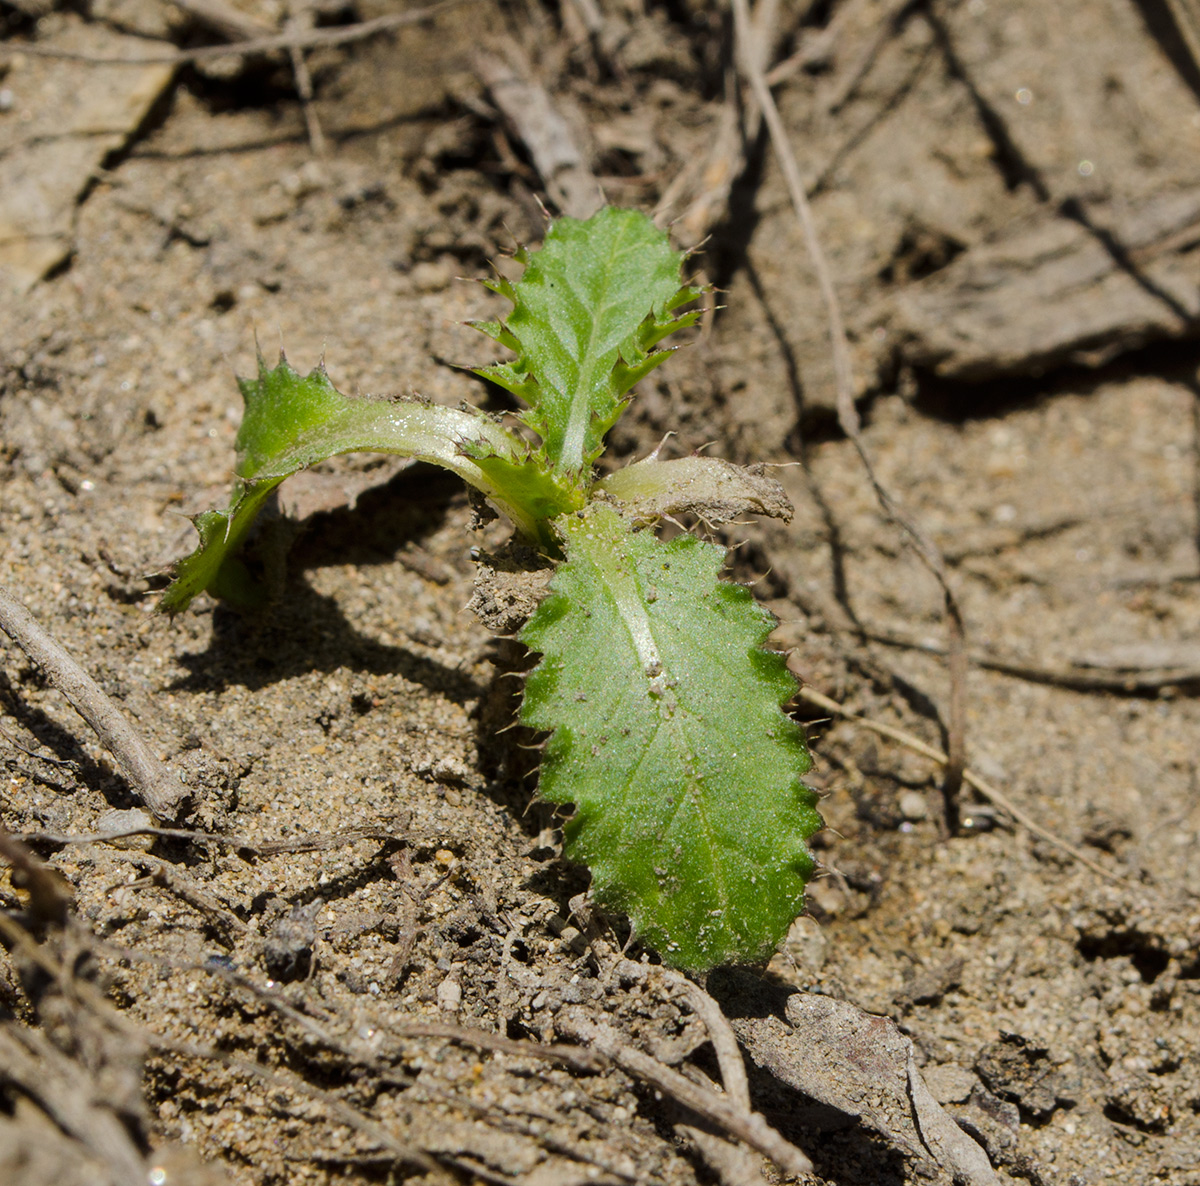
50	894
848	419
148	777
293	39
749	1127
720	1034
972	779
722	1154
1147	680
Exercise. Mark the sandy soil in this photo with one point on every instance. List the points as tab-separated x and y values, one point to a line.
1028	385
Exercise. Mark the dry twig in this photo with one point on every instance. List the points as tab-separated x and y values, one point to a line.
50	896
290	39
733	1164
719	1110
303	20
149	778
709	181
86	996
531	112
886	25
18	744
972	779
338	1108
223	19
83	1070
1186	15
65	1092
1145	680
848	413
315	842
184	886
724	1041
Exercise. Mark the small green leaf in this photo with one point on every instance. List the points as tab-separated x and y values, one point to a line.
293	421
214	565
666	733
594	301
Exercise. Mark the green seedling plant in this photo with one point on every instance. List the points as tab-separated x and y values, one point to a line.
662	707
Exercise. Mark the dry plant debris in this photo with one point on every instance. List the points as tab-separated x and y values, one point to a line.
961	161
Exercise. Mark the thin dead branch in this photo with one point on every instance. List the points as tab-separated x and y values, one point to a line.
1186	15
187	889
83	1070
710	180
18	744
972	779
223	19
721	1111
337	1108
149	778
886	25
1147	680
577	1059
87	997
848	416
316	842
381	1056
50	896
724	1042
65	1092
303	20
290	39
393	1024
733	1164
530	111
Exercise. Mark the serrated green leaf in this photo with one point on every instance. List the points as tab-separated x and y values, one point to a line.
542	494
293	421
667	735
594	301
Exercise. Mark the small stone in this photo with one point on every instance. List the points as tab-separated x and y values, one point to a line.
126	821
806	944
949	1084
288	951
913	806
309	178
449	995
430	276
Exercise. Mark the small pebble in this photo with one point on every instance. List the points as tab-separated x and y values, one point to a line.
430	277
449	995
309	178
949	1084
913	806
288	950
124	821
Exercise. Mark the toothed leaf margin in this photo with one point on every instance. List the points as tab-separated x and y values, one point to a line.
591	306
667	735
